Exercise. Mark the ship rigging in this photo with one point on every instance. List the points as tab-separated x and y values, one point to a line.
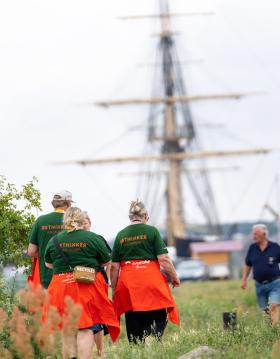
172	127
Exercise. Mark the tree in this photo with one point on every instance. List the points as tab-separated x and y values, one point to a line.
16	218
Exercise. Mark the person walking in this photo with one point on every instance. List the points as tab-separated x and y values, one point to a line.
99	330
44	228
264	257
77	247
140	290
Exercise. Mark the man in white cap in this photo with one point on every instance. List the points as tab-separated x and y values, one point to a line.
44	228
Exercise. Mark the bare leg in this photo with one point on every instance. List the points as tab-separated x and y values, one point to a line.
85	343
99	341
274	312
69	347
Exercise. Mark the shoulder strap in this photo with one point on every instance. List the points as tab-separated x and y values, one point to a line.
61	252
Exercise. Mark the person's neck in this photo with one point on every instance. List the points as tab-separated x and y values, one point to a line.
136	221
72	228
263	244
59	210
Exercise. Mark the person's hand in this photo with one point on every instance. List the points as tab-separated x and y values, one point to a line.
175	282
244	284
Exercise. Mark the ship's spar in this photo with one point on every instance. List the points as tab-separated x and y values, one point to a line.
176	133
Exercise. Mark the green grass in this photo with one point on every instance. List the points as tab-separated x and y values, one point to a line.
201	305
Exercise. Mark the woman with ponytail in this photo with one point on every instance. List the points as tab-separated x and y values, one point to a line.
78	247
140	290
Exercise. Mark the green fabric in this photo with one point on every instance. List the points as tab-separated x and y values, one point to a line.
81	247
138	241
44	228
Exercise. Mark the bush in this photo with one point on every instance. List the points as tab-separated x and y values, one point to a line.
16	219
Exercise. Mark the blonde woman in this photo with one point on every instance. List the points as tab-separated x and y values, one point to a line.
82	248
140	289
99	329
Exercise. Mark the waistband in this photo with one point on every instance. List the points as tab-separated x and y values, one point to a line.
135	262
268	280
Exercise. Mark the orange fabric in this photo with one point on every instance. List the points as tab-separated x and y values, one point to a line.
96	306
141	287
34	277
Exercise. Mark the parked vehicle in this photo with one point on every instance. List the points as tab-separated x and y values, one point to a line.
192	269
15	278
219	271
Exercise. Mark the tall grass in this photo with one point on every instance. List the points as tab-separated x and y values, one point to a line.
30	327
201	305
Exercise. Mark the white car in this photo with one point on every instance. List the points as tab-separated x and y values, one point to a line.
14	277
218	271
192	269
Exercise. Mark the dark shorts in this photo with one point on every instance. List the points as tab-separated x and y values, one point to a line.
268	293
96	328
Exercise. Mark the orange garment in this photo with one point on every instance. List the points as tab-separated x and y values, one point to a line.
96	306
142	287
34	277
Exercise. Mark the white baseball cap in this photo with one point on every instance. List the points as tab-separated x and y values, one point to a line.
63	196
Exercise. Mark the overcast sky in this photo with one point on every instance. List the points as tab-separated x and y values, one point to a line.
58	56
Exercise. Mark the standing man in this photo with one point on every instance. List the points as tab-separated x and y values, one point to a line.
44	228
264	257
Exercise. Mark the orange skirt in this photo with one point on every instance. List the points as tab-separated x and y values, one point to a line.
34	277
96	306
142	287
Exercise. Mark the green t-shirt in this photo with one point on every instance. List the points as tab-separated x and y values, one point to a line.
82	248
138	241
44	228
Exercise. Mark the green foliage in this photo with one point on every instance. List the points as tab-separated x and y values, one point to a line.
4	295
16	219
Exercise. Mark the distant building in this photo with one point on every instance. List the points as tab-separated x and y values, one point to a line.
215	252
222	257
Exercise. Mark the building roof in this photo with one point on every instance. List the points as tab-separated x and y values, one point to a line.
217	246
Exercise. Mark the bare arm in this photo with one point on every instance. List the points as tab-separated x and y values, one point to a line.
49	265
108	271
107	264
166	263
32	250
114	274
246	272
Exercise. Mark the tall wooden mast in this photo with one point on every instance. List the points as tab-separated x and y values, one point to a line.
176	133
175	211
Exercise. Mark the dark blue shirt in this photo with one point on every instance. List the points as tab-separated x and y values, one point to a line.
265	263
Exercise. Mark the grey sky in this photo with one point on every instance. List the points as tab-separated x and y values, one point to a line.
56	57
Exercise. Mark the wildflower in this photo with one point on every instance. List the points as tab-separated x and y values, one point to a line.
71	317
3	318
20	335
4	353
275	350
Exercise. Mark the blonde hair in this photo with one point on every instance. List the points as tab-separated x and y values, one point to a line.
73	219
86	216
137	210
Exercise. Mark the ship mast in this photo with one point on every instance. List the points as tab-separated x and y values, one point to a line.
176	133
175	212
178	138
